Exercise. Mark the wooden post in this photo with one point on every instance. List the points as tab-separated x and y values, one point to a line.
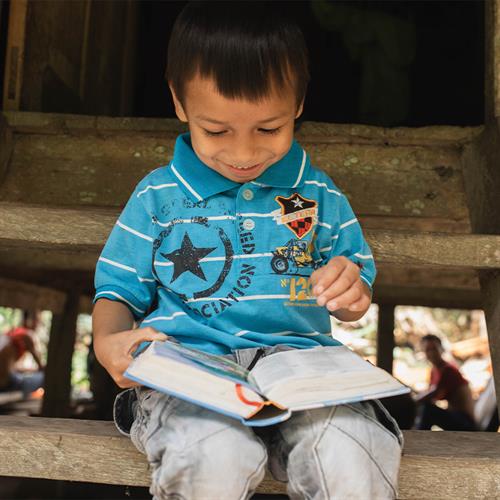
60	353
385	337
6	147
15	55
482	181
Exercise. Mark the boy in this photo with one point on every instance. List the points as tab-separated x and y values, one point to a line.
239	247
446	383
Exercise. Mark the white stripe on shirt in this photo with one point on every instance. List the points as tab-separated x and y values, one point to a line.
158	186
348	223
301	171
133	231
117	264
299	334
245	297
165	318
218	259
126	268
366	280
189	221
117	295
323	185
188	186
361	256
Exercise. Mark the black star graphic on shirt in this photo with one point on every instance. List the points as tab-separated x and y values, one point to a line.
187	258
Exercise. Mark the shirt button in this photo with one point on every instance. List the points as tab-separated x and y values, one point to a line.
248	194
248	224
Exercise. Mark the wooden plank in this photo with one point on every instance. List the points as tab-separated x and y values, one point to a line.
434	464
435	249
448	298
444	278
18	294
97	161
14	62
48	228
9	397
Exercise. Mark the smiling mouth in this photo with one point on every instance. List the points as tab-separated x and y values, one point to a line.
243	169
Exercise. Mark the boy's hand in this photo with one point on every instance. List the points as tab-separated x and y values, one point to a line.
114	351
337	286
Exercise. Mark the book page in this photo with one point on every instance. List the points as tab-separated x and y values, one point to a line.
322	376
306	363
216	365
164	368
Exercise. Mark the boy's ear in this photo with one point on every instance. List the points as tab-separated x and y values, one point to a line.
179	109
300	109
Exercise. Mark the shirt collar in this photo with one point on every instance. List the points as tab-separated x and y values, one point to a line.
199	181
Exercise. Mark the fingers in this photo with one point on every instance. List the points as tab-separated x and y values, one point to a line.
147	334
337	286
344	300
324	276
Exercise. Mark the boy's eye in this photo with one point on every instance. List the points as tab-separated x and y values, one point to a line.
212	133
270	130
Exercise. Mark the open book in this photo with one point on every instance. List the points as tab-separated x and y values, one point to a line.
275	387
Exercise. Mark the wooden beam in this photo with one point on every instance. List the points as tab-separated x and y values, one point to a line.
448	298
22	295
48	228
421	277
482	181
60	353
98	161
435	249
6	148
434	464
385	337
14	61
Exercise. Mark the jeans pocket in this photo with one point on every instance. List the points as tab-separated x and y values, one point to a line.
387	420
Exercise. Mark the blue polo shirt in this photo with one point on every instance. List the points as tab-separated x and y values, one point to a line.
221	265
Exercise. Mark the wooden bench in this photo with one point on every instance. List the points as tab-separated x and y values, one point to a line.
8	397
435	464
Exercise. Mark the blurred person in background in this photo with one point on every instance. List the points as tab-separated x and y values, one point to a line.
446	383
13	346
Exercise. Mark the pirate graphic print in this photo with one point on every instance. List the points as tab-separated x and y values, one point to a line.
297	213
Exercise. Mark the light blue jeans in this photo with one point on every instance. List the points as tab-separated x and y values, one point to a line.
342	452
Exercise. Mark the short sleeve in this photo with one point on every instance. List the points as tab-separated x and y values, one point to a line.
124	269
348	240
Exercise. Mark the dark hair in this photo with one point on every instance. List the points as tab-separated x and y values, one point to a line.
245	47
430	337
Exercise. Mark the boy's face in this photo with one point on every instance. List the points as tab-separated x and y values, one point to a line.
433	351
237	138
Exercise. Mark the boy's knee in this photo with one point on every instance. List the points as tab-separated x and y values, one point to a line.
354	444
227	464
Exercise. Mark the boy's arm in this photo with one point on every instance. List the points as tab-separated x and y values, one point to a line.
115	338
338	286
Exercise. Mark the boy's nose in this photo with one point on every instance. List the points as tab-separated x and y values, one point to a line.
243	155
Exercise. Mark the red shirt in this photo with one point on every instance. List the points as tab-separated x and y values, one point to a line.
18	338
447	379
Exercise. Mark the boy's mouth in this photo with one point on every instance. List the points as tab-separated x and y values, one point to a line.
247	170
